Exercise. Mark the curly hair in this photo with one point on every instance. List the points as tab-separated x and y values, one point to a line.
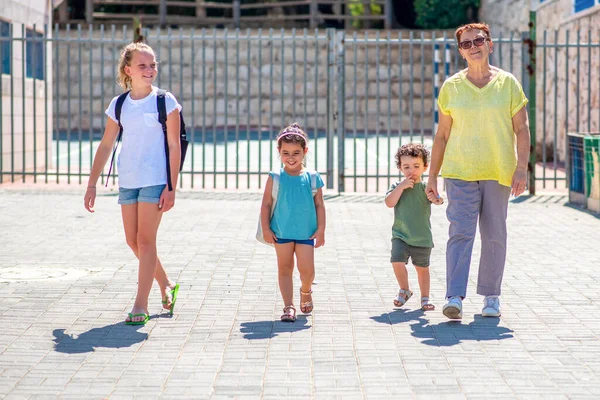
479	26
412	150
123	79
292	134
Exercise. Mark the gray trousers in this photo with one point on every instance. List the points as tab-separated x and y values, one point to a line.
468	202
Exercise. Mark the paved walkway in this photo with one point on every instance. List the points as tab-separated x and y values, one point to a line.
67	280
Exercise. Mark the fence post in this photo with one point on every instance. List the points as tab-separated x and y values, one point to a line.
341	108
530	43
89	11
367	13
389	15
200	10
330	103
162	12
237	13
313	14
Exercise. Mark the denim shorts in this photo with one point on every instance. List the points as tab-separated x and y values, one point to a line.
402	251
310	242
148	194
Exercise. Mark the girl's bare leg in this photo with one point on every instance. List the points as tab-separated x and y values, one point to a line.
130	224
305	255
285	265
141	222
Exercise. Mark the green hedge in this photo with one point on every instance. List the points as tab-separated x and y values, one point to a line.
445	14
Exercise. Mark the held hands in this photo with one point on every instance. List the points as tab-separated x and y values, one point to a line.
438	201
518	182
431	191
89	199
269	236
167	200
319	235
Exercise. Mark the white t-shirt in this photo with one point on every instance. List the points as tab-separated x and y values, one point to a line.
142	160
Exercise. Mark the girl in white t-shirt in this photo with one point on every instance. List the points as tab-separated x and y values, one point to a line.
143	194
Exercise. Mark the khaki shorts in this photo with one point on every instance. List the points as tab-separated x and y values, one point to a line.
401	252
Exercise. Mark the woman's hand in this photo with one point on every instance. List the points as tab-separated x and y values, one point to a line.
167	200
269	236
519	181
89	199
319	235
431	190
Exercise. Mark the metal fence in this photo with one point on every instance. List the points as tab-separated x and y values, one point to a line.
359	96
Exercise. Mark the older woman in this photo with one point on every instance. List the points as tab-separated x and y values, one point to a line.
482	115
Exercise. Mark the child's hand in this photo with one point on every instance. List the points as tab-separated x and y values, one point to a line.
437	200
269	236
407	183
319	235
89	199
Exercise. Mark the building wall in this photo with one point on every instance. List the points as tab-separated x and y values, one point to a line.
26	142
564	103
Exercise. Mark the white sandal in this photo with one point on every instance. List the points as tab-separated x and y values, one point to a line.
426	305
400	300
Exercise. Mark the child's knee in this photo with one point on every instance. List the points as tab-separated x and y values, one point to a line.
286	269
132	243
422	270
307	273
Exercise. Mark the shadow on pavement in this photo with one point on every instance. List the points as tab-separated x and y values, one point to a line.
270	329
113	336
450	333
447	333
400	316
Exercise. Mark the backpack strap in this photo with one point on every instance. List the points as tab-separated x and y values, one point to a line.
118	108
275	188
313	181
162	118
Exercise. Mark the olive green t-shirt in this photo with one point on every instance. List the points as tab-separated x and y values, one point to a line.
412	216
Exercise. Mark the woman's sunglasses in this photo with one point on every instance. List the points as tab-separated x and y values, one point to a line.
467	44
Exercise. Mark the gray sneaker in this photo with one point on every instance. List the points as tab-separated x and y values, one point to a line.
491	306
453	309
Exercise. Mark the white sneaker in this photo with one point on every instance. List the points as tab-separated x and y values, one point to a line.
491	306
453	309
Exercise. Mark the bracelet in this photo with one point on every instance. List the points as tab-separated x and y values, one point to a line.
91	187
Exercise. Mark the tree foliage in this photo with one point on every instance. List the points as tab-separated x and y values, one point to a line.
357	8
445	14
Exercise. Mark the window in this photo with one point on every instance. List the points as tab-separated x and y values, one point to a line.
34	55
5	47
580	5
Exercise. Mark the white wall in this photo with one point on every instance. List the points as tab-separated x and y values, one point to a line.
18	117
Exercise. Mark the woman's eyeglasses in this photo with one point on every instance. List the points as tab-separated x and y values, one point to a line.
467	44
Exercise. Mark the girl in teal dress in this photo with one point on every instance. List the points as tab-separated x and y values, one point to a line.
297	226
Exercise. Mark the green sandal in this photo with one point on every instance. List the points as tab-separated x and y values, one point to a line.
174	292
142	322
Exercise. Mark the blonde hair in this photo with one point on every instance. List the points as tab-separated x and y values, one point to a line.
123	79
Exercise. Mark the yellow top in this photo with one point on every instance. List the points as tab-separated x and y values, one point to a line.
481	145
